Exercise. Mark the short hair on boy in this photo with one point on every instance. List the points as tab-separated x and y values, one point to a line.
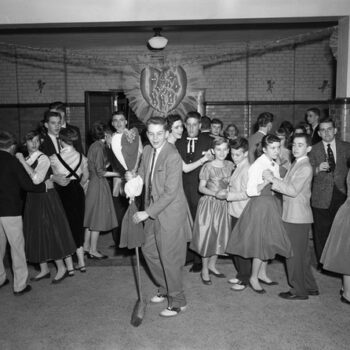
217	122
265	118
193	114
305	136
49	114
328	120
314	110
7	139
157	121
239	143
205	122
58	105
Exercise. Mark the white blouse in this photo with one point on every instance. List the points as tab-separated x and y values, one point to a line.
71	157
41	169
255	174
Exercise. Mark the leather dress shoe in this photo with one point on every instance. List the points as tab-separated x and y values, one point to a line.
218	275
58	280
206	282
196	268
272	283
291	296
27	289
36	279
259	291
344	300
172	311
5	283
313	293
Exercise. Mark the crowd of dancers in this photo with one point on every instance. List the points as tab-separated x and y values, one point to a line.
207	192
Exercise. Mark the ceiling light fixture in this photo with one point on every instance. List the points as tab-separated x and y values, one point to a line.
157	42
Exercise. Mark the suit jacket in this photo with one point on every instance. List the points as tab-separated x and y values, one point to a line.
254	142
191	179
168	205
323	182
296	190
316	138
14	180
47	146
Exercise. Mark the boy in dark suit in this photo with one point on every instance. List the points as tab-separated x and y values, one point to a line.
14	179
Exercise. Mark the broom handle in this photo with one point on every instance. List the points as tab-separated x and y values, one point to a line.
138	272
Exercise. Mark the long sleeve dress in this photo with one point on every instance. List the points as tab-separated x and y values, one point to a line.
99	209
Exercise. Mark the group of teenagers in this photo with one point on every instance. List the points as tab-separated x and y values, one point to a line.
246	199
205	195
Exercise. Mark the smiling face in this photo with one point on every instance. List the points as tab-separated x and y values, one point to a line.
327	132
272	150
119	122
177	129
221	151
157	135
300	147
33	144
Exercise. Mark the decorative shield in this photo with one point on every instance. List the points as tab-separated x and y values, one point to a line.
163	89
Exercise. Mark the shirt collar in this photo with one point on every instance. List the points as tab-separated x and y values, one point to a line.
244	161
301	158
332	143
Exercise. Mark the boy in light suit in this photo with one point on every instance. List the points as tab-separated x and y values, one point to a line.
297	218
165	214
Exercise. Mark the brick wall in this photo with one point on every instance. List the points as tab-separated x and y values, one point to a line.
294	74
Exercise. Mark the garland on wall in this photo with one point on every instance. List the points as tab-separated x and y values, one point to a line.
156	84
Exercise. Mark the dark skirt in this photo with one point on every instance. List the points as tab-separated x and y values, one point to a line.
46	229
259	232
73	200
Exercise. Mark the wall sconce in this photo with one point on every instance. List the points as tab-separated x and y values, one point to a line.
324	86
270	84
157	42
41	85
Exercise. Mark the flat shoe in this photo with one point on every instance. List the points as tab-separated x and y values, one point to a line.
56	281
95	257
27	289
272	283
206	282
218	275
234	281
36	279
82	269
70	273
259	291
313	292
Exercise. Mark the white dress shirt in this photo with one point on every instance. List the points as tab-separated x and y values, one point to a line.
334	149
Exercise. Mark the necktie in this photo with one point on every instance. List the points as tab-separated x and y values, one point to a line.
330	157
58	144
191	144
149	189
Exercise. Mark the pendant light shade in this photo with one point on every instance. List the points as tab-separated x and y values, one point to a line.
157	42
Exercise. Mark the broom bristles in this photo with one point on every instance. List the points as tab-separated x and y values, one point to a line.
138	313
